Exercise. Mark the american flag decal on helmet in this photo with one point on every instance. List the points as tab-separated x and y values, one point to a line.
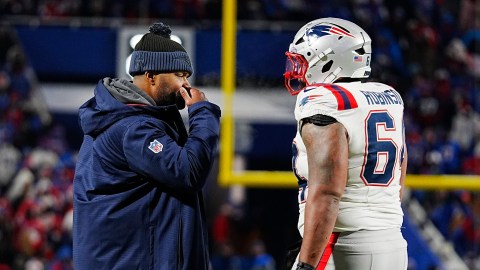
155	146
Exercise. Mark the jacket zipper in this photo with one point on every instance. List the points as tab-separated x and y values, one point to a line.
180	245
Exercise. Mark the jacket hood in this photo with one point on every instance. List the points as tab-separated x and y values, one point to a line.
113	100
126	92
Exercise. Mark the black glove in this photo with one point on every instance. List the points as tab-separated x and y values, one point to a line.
304	266
292	253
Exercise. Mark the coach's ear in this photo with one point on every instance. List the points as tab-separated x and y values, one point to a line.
292	253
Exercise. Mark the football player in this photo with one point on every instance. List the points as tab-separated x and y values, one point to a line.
349	152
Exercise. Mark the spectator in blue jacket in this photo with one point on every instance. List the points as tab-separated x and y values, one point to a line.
138	200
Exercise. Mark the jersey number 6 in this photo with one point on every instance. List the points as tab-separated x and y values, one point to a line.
381	151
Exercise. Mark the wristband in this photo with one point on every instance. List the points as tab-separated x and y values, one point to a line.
304	266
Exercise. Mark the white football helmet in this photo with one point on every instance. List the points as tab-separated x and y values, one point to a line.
325	50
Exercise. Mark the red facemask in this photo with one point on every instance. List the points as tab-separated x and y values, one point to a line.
295	70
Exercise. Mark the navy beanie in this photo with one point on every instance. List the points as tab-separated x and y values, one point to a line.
157	52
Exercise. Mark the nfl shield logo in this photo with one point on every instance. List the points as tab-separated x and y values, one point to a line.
155	146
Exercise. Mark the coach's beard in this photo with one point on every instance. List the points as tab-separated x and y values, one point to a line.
179	101
171	99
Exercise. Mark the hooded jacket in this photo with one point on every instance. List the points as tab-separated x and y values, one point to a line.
138	201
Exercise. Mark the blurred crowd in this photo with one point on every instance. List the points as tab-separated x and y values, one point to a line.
186	10
427	49
36	173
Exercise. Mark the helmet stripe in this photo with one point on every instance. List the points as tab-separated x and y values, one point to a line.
339	31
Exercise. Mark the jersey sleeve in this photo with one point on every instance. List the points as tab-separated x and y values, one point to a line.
324	99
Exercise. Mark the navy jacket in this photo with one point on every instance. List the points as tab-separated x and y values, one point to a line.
137	190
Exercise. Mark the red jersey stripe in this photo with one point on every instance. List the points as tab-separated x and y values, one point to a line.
327	253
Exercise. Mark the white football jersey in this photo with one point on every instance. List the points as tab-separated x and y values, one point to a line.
372	114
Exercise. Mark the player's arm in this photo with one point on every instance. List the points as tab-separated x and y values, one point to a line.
327	152
403	169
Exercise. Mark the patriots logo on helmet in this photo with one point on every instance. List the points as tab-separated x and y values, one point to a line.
321	30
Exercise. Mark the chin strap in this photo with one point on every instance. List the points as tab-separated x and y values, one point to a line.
332	76
320	57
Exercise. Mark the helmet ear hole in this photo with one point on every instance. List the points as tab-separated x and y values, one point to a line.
301	40
327	66
360	51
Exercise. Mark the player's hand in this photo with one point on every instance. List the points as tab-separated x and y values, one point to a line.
292	253
192	95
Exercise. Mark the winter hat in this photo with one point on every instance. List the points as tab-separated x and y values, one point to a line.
157	52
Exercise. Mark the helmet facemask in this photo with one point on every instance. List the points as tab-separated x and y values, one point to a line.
295	70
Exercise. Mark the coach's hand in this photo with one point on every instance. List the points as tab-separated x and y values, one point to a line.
192	95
